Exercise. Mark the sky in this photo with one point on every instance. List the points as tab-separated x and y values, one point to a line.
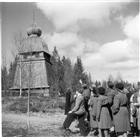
105	34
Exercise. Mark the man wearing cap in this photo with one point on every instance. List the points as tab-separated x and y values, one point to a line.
120	112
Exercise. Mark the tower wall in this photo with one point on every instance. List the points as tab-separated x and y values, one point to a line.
35	74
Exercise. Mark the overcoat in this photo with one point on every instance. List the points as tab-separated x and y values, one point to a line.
138	110
111	94
92	104
79	107
103	113
120	112
67	104
135	109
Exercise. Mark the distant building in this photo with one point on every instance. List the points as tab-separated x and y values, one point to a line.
34	69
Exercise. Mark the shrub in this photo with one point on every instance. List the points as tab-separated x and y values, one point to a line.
37	104
18	105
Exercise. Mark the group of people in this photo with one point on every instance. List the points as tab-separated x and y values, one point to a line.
104	111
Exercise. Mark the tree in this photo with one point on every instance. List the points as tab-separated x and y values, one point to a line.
4	72
110	78
55	59
89	79
119	78
11	74
18	42
104	84
77	73
4	78
68	70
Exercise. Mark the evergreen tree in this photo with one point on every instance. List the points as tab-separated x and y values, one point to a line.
77	73
119	78
89	79
54	60
12	70
110	78
61	83
68	70
58	72
4	78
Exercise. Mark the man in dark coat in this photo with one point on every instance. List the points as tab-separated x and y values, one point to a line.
67	104
120	111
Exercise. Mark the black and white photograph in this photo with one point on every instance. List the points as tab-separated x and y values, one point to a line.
70	68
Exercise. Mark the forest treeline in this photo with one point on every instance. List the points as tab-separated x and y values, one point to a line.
67	75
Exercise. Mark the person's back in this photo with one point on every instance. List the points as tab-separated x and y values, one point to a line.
111	92
111	96
120	111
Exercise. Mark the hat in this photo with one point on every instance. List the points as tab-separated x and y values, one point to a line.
101	90
120	86
84	86
110	84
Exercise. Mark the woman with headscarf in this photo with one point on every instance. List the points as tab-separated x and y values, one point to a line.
120	112
103	115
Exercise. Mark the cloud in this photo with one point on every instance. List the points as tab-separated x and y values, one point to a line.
72	16
67	42
131	27
68	18
118	51
114	55
70	44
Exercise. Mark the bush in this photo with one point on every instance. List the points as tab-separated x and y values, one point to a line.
18	105
37	104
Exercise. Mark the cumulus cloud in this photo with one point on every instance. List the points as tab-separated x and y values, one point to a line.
70	44
68	18
73	16
123	54
131	27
